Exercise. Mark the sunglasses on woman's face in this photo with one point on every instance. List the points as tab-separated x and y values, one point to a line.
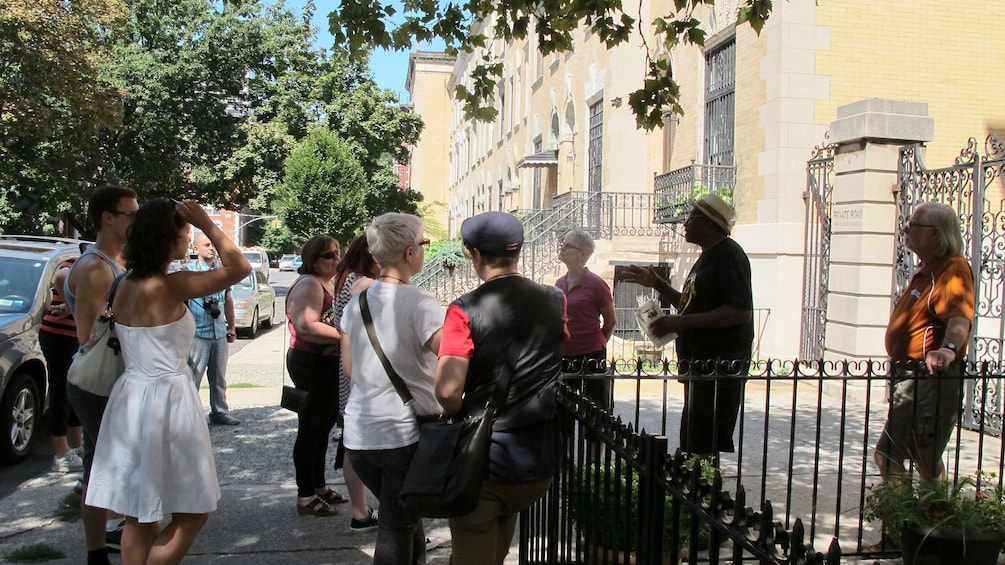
328	255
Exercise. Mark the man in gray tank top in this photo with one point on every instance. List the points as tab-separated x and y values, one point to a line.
111	210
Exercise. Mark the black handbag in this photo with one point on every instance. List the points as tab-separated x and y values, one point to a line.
451	460
294	399
445	477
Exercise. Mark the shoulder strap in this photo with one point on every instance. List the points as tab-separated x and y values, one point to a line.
111	294
399	385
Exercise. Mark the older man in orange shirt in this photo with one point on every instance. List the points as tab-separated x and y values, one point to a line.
927	336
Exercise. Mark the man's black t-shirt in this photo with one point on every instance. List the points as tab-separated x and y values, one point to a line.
721	275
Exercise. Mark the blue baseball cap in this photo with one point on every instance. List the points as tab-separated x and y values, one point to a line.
493	233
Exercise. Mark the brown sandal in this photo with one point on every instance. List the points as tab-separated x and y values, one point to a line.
317	507
332	497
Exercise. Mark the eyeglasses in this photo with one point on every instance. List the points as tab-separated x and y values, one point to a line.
328	255
916	225
422	243
127	213
694	216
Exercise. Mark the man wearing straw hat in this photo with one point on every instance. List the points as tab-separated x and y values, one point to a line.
715	327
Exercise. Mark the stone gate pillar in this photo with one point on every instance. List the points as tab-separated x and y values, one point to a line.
869	134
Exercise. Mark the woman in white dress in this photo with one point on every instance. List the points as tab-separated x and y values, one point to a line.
153	457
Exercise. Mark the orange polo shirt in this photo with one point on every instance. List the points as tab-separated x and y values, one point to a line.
938	291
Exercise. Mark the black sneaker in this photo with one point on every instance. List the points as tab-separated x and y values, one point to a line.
113	539
367	524
78	489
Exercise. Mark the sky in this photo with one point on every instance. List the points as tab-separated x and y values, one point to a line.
388	67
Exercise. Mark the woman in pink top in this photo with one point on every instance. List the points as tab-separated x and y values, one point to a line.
589	300
313	359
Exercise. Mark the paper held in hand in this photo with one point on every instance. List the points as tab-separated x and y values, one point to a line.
648	311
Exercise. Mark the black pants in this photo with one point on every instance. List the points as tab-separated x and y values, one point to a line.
58	351
318	375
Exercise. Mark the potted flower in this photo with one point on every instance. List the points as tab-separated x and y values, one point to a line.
962	522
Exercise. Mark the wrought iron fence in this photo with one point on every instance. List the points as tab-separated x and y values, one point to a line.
792	492
817	260
676	190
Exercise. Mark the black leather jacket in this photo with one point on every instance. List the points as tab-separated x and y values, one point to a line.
519	325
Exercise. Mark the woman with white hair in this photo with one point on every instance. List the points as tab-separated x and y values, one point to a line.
381	432
591	317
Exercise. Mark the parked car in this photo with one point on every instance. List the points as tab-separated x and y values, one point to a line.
298	262
259	259
286	262
254	303
28	265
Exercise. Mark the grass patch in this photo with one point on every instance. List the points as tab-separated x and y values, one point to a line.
233	385
69	508
34	553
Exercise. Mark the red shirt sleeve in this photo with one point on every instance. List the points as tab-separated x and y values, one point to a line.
455	340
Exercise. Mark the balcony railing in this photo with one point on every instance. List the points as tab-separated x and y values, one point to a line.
602	214
676	190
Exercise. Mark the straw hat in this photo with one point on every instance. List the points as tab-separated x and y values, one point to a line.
717	210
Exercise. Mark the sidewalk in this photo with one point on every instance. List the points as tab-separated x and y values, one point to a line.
256	519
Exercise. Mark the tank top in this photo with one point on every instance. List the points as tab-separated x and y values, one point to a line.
68	296
327	316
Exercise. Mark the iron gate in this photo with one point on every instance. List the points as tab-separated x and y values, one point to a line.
973	186
817	253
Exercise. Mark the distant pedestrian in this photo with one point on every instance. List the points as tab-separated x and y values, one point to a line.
214	331
715	327
153	457
927	336
312	360
381	432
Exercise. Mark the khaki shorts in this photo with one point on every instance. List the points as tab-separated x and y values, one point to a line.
923	412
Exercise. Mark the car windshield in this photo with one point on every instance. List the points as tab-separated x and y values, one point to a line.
253	256
19	280
288	257
247	283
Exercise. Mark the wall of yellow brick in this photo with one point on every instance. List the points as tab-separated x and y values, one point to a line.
749	136
921	51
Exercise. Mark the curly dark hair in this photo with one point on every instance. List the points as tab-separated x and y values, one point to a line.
314	247
152	237
356	259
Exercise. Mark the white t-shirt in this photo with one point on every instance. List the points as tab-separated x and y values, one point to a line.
404	318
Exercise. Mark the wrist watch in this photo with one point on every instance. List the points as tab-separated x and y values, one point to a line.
952	347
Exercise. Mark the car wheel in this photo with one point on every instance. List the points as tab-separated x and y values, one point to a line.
253	328
20	413
267	323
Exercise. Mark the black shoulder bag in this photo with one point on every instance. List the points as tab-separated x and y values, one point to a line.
445	477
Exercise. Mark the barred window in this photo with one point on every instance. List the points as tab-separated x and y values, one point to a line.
720	102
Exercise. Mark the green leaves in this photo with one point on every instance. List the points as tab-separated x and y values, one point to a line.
461	26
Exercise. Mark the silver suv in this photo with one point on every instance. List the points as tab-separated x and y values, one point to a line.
27	267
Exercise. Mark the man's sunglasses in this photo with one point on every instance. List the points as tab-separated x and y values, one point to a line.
328	255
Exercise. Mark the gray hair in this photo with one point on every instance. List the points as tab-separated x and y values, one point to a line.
582	240
389	235
947	221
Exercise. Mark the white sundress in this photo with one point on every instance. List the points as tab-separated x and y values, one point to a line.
153	456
